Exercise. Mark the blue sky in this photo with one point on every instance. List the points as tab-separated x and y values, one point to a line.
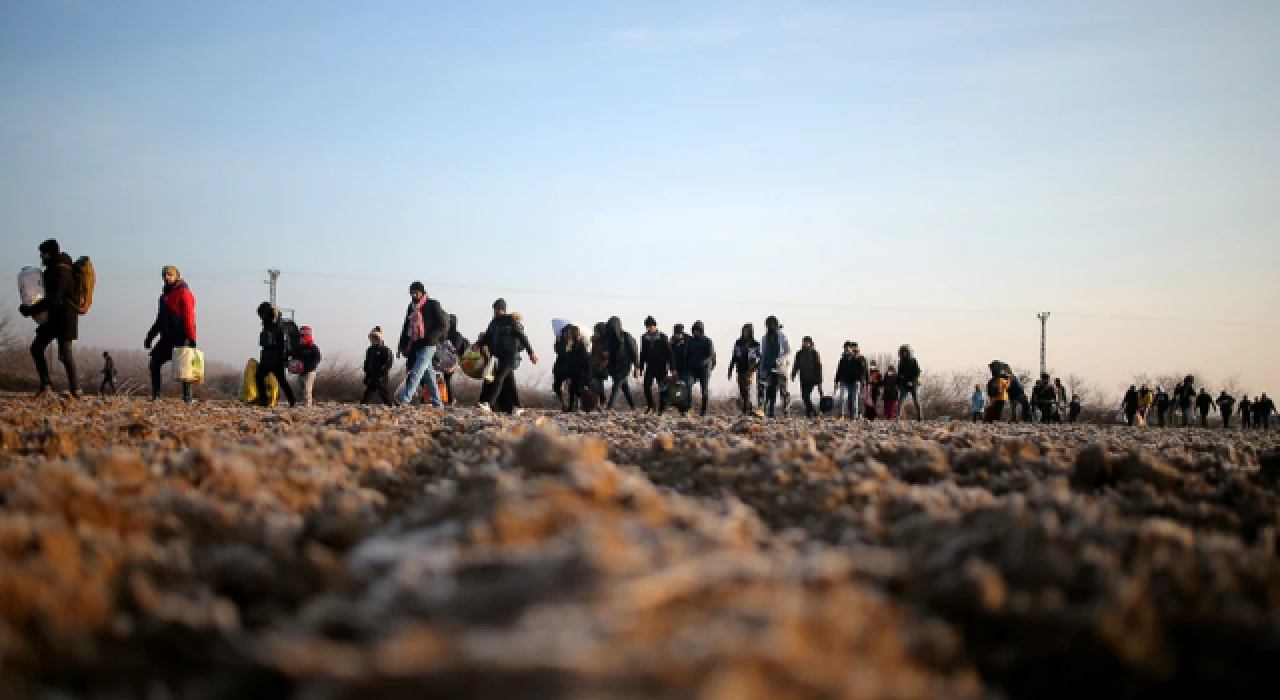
831	162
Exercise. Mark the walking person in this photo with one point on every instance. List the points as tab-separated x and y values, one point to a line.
808	367
175	324
1185	395
1020	406
655	364
891	386
599	362
909	378
623	356
1246	412
1163	404
425	325
505	339
997	392
572	368
1204	405
842	391
1062	398
308	360
859	375
702	361
1075	407
108	375
1146	398
871	392
977	403
1262	412
378	362
460	346
1130	405
1226	407
274	354
746	362
775	357
680	363
1045	396
62	320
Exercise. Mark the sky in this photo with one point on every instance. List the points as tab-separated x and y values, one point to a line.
923	172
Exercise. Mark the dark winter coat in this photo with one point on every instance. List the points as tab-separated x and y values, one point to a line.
59	300
378	361
1226	405
572	363
457	340
808	366
852	370
680	354
435	323
175	320
746	358
505	338
909	373
1016	392
621	346
655	354
1131	400
1204	402
310	357
892	385
273	343
702	354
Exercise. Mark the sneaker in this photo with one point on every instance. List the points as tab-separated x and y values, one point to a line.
484	408
517	412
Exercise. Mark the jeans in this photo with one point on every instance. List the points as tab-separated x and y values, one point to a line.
45	335
855	401
841	396
777	384
914	393
422	367
620	383
306	383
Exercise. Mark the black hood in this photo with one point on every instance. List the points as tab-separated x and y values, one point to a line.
615	328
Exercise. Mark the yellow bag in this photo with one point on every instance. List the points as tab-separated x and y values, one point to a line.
249	386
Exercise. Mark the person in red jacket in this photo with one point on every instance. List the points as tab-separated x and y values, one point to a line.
176	326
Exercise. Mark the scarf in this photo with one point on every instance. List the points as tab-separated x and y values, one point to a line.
417	329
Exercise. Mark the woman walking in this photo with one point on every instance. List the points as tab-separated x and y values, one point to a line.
175	324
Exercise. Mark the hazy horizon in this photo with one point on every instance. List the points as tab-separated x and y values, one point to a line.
913	173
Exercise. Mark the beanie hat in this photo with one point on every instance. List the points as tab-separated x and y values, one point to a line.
500	305
50	247
697	326
650	322
678	329
417	287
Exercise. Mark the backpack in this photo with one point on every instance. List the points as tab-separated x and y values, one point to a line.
993	386
84	280
678	394
292	337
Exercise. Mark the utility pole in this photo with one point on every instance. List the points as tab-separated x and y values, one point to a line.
275	275
1044	322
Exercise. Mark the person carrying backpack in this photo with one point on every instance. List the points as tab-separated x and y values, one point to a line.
1185	395
623	356
891	385
62	320
425	325
275	352
808	367
460	345
702	361
909	378
505	340
746	362
378	362
108	375
775	353
1018	399
1226	407
977	403
655	363
175	324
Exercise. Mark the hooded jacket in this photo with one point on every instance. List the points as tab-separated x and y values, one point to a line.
680	354
746	358
378	361
891	383
701	352
1226	404
505	338
572	360
1131	399
58	301
1204	402
775	351
655	354
271	340
853	369
175	319
978	401
908	369
621	346
808	366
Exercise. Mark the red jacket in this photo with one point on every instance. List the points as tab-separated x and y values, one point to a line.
176	317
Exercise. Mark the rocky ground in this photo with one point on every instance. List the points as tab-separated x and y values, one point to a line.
219	551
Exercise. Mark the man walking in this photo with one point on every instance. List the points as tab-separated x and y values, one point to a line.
505	339
425	323
775	356
655	363
108	375
62	320
702	359
1226	406
808	367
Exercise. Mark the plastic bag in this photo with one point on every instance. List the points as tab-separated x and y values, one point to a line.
249	388
188	365
490	368
472	363
1121	418
31	290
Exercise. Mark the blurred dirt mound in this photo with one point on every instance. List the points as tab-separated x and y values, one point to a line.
214	550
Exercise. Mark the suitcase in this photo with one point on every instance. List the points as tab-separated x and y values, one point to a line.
827	404
678	395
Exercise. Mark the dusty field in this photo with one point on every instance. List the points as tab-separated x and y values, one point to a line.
216	551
